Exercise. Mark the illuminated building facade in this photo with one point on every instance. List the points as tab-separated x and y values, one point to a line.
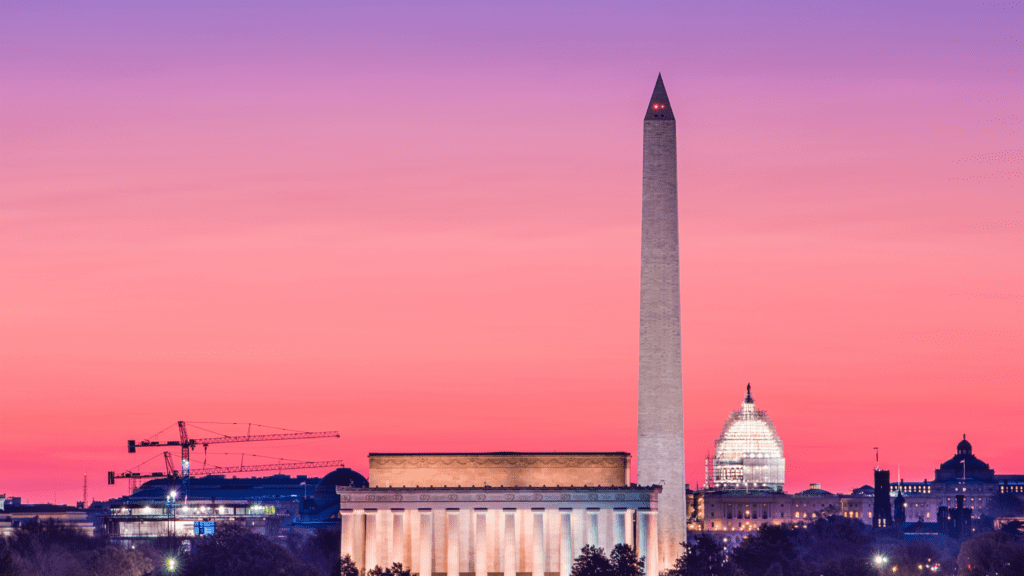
964	489
748	454
514	514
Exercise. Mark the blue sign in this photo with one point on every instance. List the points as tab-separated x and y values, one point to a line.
204	528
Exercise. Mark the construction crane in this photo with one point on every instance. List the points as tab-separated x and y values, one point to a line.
188	444
173	474
134	477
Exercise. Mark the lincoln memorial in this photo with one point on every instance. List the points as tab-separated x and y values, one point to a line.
496	514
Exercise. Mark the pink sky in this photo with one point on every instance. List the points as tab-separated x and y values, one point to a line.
421	227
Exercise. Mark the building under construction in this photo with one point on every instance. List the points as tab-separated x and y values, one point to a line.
748	454
266	504
190	501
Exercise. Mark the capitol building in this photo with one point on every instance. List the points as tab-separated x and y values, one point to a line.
744	490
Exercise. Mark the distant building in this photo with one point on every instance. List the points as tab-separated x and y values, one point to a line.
964	489
882	512
748	454
266	504
14	514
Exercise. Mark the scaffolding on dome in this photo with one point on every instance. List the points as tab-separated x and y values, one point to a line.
748	454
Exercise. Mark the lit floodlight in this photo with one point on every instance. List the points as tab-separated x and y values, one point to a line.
172	564
880	560
174	494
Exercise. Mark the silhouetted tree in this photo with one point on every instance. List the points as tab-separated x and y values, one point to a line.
1014	528
837	543
322	550
116	561
591	562
913	554
625	561
772	544
705	557
991	553
234	551
345	567
51	548
1005	504
396	569
7	566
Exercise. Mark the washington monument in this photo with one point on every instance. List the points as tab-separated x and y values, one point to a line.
660	431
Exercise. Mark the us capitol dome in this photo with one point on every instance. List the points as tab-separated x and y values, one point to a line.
748	454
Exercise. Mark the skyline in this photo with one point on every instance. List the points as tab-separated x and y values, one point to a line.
291	215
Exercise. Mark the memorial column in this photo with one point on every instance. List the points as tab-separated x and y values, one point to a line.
538	542
453	542
619	527
426	542
565	542
480	543
508	543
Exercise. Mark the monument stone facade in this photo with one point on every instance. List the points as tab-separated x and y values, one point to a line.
499	514
660	449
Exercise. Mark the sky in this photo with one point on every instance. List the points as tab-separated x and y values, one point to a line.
419	224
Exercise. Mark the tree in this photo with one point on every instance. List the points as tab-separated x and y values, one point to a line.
1014	528
323	550
991	553
116	561
591	562
1005	504
52	548
234	551
625	562
345	567
705	557
7	565
908	557
832	543
772	544
396	569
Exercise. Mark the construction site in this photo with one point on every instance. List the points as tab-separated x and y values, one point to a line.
190	498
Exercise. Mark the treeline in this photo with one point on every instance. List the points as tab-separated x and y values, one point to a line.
52	548
829	547
838	546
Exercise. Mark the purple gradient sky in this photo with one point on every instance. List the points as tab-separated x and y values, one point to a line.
420	225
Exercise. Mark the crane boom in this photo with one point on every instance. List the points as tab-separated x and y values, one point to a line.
227	469
193	442
261	437
263	467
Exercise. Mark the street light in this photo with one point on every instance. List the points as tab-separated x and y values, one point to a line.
171	497
172	564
